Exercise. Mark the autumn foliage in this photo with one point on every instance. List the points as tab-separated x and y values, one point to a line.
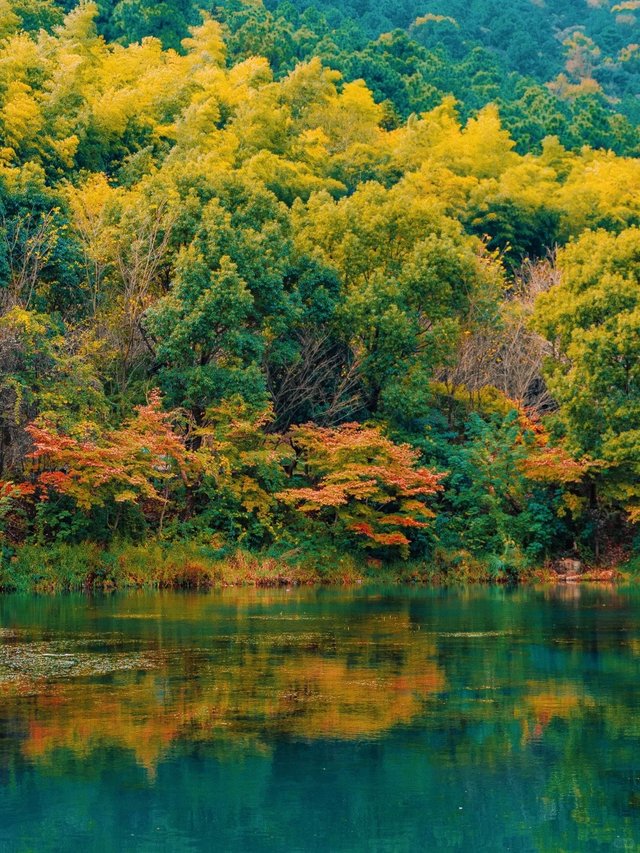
546	462
135	463
11	495
317	250
361	481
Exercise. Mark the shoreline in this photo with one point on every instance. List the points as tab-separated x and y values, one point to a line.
188	566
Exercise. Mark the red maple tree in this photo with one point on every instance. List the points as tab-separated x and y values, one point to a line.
136	463
362	482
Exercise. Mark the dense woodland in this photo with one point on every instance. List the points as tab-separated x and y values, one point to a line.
311	279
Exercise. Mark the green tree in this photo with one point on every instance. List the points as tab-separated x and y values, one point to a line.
593	319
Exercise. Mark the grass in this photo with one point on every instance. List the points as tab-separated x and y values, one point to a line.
630	569
161	565
84	567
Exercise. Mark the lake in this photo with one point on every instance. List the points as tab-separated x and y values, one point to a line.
321	720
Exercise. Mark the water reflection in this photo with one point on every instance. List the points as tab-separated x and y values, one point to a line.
510	716
238	675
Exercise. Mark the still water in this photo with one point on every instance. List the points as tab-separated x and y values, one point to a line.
321	720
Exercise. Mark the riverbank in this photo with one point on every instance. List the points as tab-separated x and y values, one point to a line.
66	568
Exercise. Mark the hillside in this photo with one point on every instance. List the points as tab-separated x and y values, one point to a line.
577	78
247	302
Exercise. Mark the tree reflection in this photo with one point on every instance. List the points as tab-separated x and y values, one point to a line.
539	688
246	687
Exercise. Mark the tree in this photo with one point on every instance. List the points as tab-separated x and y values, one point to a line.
503	351
409	278
510	494
361	484
43	372
593	320
239	471
204	341
169	21
140	463
233	292
13	497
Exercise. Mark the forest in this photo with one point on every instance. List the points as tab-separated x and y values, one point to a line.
317	288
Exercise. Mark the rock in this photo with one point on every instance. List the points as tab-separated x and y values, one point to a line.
568	567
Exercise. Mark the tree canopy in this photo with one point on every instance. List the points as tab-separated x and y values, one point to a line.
233	238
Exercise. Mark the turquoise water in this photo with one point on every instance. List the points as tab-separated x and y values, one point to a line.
321	720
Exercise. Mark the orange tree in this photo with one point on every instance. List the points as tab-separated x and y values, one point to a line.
360	485
140	464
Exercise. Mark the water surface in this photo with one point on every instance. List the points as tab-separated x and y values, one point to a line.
321	720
